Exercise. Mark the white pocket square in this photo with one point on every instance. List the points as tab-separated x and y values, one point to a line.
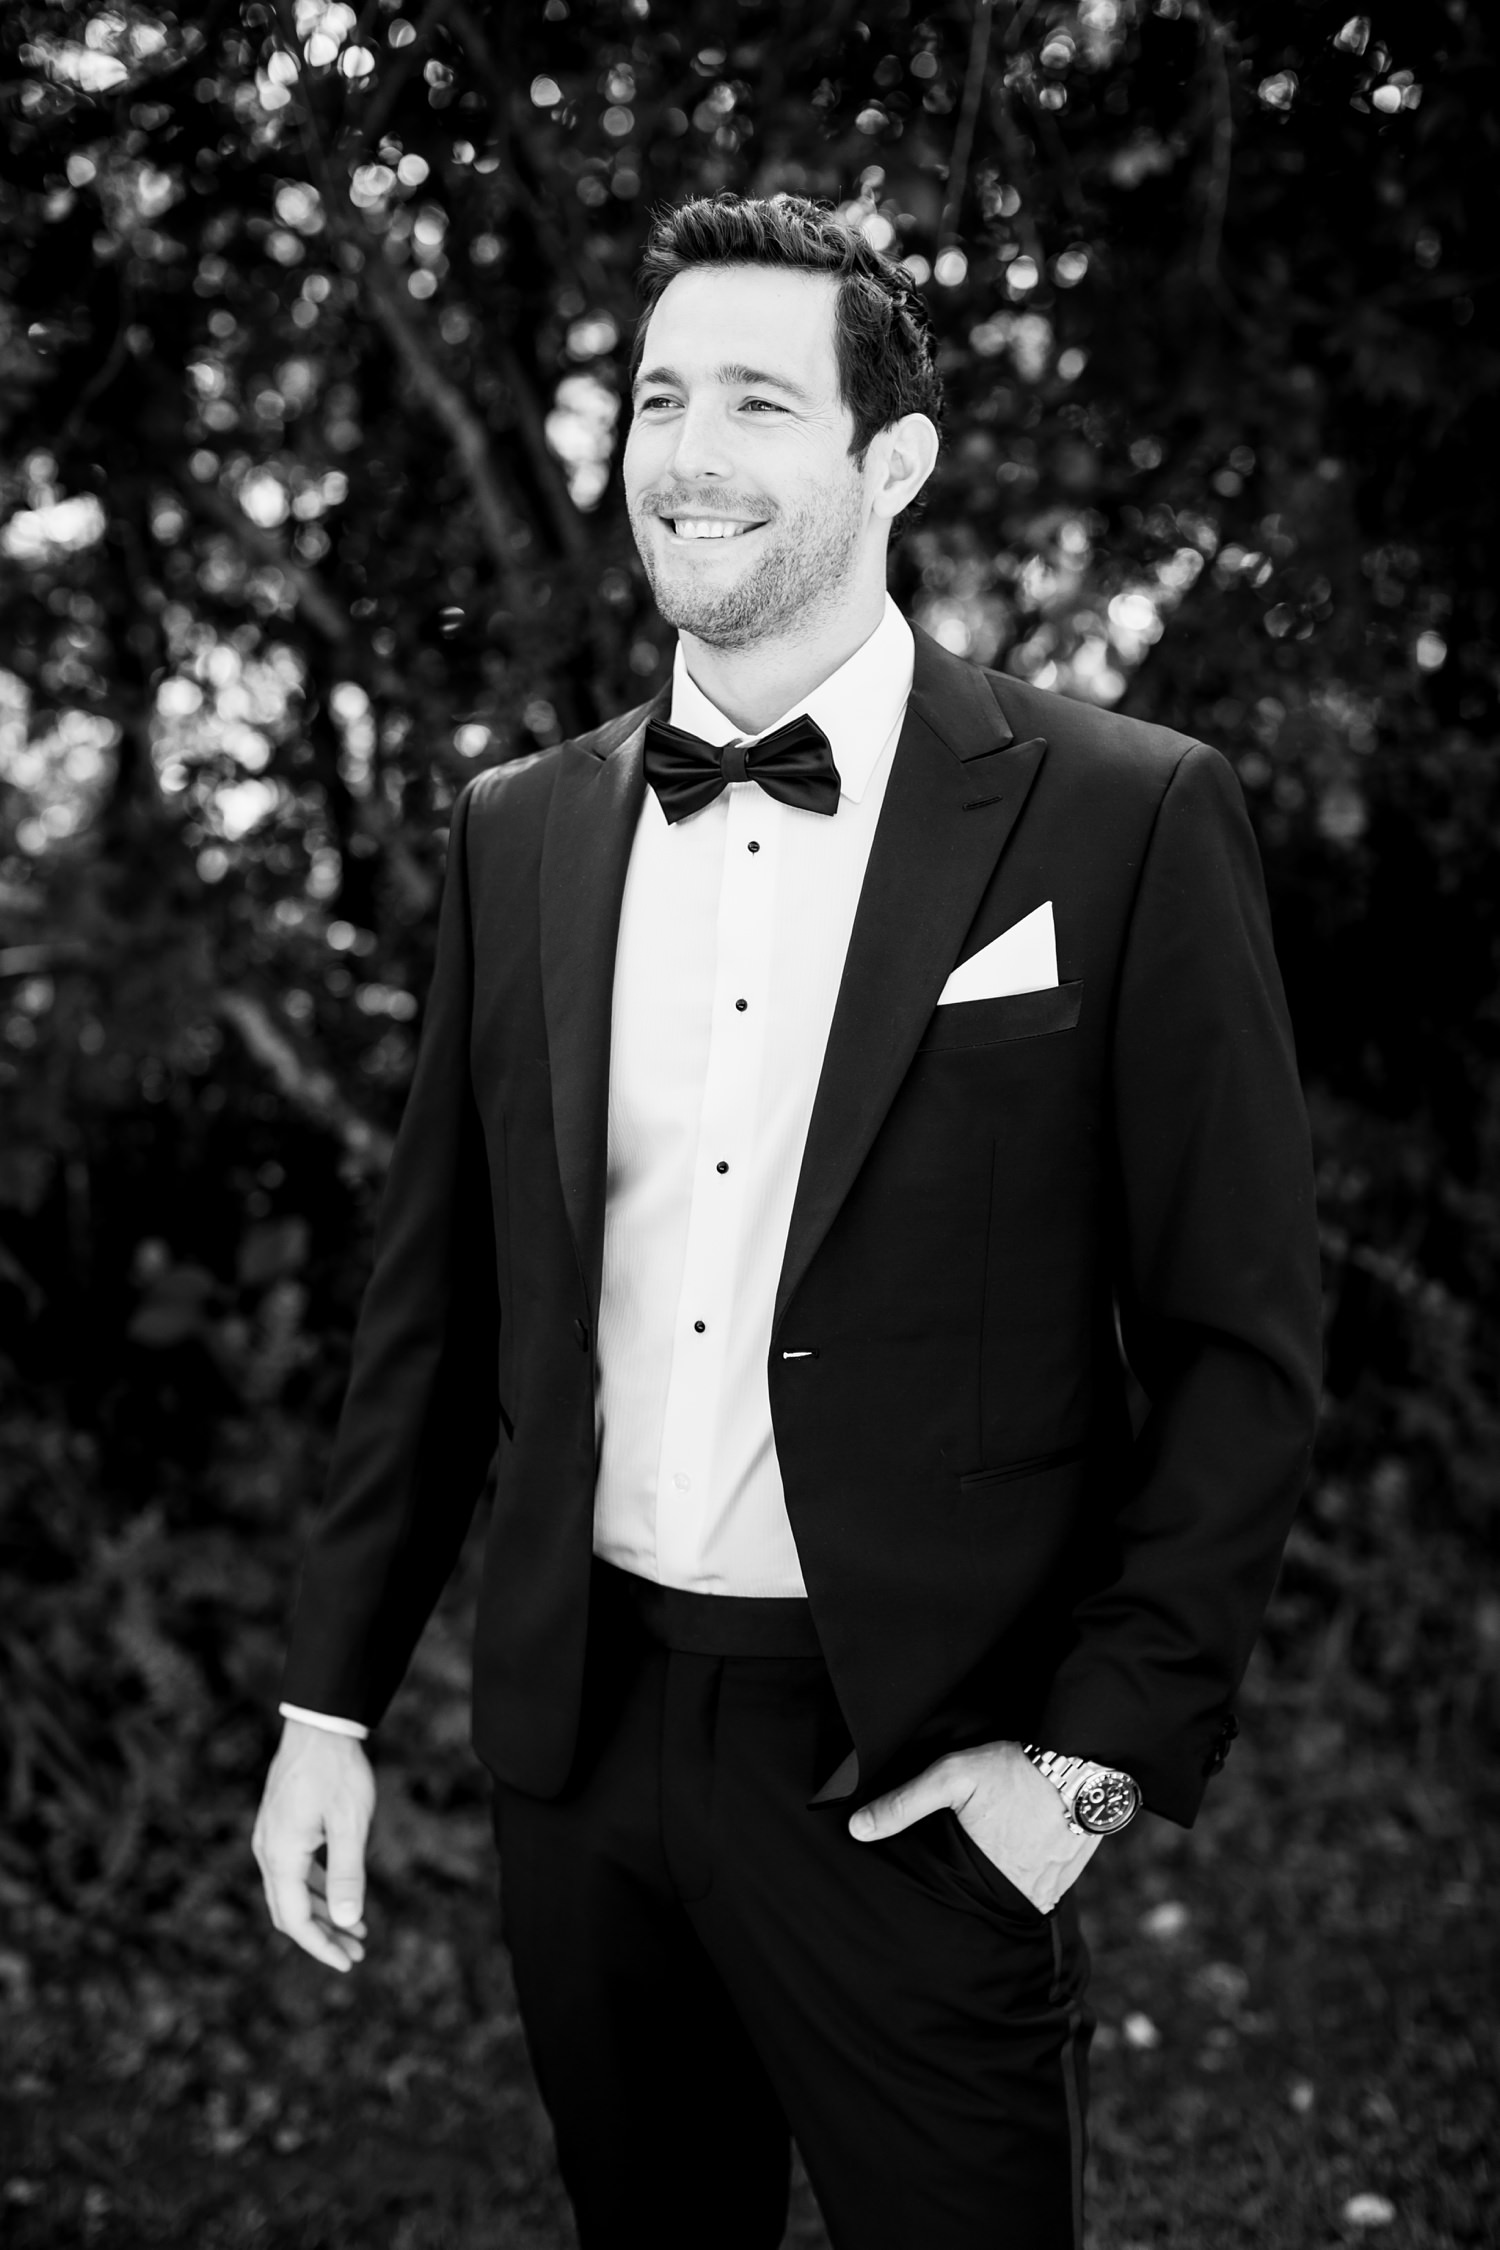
1021	959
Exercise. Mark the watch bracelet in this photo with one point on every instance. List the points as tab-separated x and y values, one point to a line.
1063	1769
1058	1768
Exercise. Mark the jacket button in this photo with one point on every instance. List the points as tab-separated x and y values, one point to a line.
581	1331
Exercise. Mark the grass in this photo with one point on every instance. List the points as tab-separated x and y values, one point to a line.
1295	2004
1323	2031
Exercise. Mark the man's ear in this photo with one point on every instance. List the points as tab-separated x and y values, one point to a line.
903	457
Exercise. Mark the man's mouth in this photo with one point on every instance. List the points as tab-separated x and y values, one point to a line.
710	527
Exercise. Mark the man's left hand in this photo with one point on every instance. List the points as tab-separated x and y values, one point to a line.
1012	1812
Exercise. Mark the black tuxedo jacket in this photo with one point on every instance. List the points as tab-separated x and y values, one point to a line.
1007	1210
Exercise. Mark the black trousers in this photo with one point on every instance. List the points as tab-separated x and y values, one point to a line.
707	1966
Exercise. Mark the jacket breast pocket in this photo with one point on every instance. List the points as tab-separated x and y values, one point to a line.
1017	1015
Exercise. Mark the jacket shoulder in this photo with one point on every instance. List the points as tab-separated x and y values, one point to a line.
1092	740
535	775
486	787
605	739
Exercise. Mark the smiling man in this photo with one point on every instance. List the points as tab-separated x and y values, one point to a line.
755	503
846	1081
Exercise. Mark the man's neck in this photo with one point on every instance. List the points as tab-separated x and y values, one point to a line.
753	686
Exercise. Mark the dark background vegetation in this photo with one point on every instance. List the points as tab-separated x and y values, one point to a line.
313	326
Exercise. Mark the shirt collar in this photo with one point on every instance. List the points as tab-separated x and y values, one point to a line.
859	707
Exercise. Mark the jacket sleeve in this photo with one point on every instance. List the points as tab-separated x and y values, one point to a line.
421	1417
1216	1262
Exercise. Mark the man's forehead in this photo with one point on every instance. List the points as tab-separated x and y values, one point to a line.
730	320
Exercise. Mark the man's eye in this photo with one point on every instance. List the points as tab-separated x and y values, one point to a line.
658	399
768	404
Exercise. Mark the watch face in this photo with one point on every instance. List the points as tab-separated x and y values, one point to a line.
1106	1803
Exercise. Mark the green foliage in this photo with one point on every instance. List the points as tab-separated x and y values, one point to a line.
310	359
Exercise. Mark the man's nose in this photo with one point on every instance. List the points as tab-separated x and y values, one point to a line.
701	449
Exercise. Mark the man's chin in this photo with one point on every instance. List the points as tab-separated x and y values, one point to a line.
717	625
680	574
772	593
719	613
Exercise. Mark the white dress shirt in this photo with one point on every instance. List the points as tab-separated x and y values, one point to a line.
733	932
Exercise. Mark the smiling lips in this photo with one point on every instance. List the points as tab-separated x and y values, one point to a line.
709	527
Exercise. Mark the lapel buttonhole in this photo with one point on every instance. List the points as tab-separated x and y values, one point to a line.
973	804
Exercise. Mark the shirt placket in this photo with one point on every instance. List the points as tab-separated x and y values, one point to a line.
721	1180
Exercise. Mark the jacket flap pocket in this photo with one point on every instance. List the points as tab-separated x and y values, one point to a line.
1021	1472
1017	1015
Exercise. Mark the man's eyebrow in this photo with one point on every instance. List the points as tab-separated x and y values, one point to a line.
730	374
757	378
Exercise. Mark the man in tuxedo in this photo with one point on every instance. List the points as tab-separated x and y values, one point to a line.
847	1083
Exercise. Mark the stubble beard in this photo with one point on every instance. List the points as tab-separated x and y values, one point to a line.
798	578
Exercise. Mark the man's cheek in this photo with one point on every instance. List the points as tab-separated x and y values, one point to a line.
635	466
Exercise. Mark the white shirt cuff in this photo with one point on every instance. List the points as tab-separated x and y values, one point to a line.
322	1719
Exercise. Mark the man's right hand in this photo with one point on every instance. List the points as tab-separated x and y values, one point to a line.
320	1791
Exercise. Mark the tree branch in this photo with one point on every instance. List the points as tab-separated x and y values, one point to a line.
559	246
1018	174
466	433
309	1089
394	78
356	660
1221	146
968	116
465	28
1020	16
442	397
312	597
572	532
43	960
103	375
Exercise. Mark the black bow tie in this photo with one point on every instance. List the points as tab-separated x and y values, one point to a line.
794	764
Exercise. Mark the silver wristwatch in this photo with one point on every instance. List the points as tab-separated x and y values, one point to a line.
1096	1800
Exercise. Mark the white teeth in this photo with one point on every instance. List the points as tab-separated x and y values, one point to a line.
707	527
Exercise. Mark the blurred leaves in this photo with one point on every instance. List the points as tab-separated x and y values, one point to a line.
313	325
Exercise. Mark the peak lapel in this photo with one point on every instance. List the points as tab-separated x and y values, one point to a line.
585	855
956	790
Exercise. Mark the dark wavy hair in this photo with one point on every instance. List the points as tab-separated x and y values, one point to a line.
882	337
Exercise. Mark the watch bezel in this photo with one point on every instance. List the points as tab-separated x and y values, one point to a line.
1112	1784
